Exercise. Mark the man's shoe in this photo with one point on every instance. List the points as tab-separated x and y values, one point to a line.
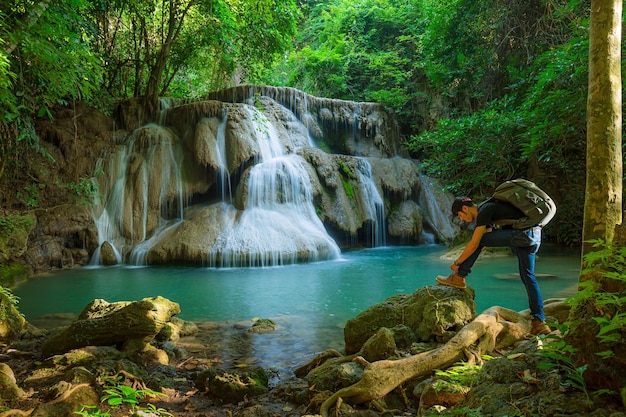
539	327
452	280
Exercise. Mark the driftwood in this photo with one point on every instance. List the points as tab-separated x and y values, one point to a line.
103	324
495	328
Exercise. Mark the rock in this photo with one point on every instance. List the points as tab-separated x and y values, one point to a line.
107	254
429	313
103	324
232	386
256	410
263	326
9	390
380	346
14	238
12	322
69	399
406	222
436	391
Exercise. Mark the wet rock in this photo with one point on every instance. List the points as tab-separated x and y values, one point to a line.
107	254
406	222
263	326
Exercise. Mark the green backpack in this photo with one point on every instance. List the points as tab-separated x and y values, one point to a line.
536	205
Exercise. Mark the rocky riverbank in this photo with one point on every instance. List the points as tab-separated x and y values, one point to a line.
159	365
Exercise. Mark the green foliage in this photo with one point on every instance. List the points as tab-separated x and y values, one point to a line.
11	300
471	154
9	296
91	411
123	394
84	191
462	373
116	395
609	262
358	50
51	56
559	352
605	268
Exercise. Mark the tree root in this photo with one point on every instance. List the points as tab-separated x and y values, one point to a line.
495	328
22	413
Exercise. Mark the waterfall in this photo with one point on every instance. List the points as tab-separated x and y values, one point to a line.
374	204
257	181
220	151
141	177
279	224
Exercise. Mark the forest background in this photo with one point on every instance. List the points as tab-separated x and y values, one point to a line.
484	91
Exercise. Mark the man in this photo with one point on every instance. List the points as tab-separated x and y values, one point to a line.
524	243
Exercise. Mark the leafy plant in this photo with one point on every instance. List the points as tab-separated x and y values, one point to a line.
603	289
11	298
123	394
559	352
462	373
84	190
91	411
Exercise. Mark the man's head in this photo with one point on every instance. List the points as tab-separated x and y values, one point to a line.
464	208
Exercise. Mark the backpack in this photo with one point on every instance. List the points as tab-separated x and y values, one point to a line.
531	200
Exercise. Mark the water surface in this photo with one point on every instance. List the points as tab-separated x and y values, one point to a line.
309	302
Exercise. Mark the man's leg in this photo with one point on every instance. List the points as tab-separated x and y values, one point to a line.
496	238
526	262
493	239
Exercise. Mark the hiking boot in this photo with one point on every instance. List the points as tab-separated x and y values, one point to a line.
538	327
452	280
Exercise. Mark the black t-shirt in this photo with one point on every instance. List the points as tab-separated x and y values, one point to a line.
491	211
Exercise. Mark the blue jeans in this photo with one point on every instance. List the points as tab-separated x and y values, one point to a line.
525	244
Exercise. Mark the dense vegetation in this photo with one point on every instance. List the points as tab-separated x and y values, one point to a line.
484	90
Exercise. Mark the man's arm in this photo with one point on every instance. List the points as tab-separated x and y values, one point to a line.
471	246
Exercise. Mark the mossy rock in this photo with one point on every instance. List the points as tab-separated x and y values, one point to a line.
12	273
12	323
430	313
233	386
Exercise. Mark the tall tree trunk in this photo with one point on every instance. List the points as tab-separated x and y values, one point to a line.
603	194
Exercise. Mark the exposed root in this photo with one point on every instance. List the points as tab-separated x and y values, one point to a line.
12	413
495	328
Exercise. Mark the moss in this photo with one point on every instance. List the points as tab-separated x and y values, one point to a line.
14	231
348	188
13	273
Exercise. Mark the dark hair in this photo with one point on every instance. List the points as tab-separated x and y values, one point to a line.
458	204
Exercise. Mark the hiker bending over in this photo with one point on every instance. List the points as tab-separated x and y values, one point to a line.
525	244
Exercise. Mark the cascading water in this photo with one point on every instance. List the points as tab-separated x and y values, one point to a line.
141	177
257	181
278	225
374	203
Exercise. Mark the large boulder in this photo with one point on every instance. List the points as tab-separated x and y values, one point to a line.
431	313
125	324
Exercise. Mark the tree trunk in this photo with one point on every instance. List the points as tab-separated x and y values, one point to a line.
603	193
